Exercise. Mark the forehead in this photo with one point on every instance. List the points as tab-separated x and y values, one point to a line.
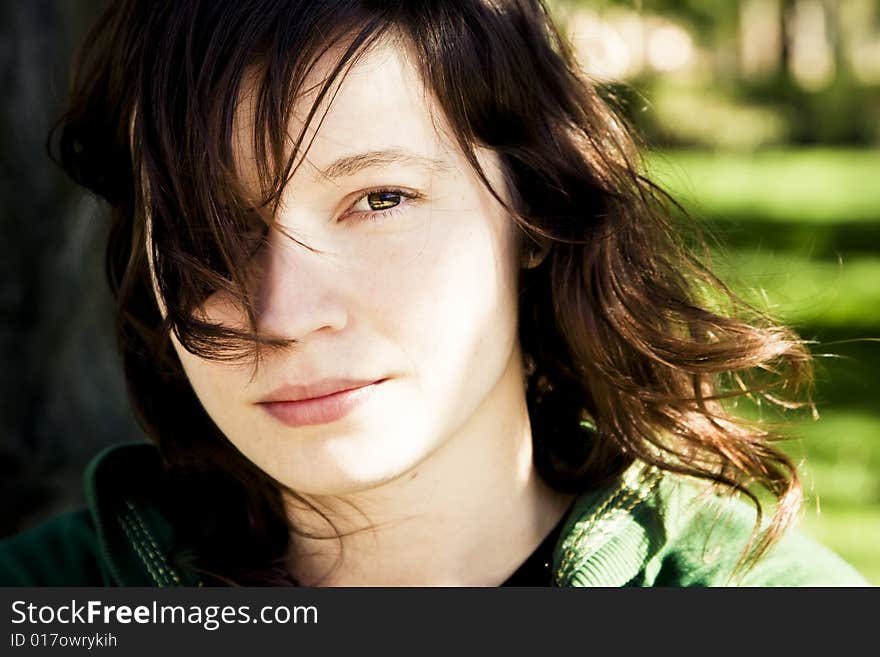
379	105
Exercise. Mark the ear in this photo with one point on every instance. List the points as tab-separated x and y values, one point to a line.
534	253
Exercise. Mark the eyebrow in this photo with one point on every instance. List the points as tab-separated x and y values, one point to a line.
349	165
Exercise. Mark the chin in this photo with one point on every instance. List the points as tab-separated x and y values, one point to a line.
349	463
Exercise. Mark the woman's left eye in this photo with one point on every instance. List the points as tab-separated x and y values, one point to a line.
380	201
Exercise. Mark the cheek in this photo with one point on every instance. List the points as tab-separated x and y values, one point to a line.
214	383
453	309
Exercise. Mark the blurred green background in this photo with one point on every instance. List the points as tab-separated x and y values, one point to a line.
762	117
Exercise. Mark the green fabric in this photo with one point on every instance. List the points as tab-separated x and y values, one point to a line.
653	529
122	539
648	529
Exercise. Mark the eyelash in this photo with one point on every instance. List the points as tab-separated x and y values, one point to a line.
379	215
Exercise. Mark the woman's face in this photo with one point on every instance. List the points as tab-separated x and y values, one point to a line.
408	296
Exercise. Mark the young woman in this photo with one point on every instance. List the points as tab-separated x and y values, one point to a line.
397	307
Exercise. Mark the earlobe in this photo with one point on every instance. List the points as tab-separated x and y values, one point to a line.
535	254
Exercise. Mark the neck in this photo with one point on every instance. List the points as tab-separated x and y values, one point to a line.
468	515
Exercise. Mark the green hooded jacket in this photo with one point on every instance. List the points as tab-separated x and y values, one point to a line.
646	529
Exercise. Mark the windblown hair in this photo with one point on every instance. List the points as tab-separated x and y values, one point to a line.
636	346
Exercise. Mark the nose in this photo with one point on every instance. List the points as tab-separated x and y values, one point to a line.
300	292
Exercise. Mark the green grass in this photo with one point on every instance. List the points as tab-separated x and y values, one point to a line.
813	186
845	439
802	290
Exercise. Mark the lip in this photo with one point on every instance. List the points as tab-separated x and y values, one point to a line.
318	403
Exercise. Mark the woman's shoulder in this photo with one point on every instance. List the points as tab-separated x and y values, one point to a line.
121	538
658	529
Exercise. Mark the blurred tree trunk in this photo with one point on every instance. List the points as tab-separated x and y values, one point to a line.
835	36
786	41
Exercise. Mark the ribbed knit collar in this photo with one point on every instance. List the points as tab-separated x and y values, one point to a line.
602	544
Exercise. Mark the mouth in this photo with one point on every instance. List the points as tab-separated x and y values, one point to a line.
320	403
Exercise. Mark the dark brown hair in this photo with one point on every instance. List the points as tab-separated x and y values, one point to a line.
636	345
